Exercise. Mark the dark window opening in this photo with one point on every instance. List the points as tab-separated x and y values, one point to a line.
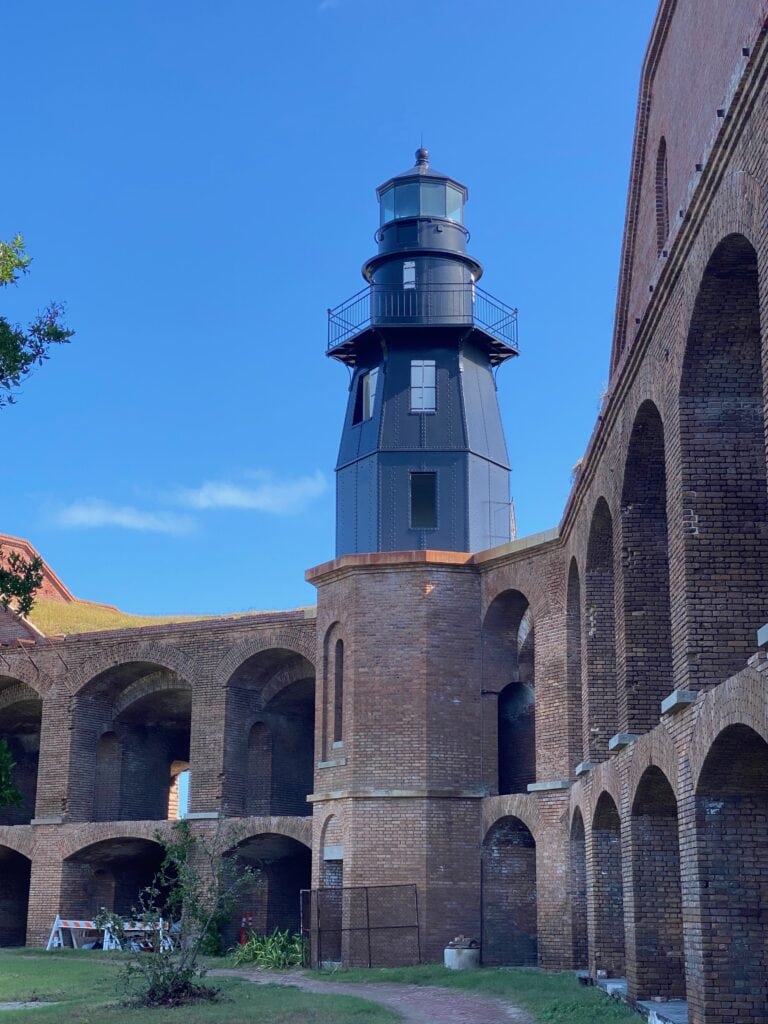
338	693
424	501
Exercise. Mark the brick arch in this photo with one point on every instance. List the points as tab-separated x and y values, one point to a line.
20	839
653	750
282	679
299	829
289	640
150	652
515	805
143	687
740	701
335	819
24	672
17	692
526	579
103	832
510	856
739	207
607	951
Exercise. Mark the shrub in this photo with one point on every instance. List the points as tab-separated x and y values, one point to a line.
279	949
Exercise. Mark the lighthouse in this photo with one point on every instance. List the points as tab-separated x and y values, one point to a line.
423	461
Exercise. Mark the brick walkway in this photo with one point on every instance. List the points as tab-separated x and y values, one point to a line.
416	1004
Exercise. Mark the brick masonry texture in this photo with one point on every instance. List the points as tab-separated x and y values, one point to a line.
424	729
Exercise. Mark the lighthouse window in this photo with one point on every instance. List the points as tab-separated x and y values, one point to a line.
409	274
388	205
423	385
432	199
365	396
407	200
423	501
454	199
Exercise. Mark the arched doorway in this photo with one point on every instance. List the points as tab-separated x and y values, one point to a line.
722	448
732	855
646	665
131	725
658	967
20	717
578	893
608	890
599	710
269	758
509	663
111	873
509	905
282	867
15	871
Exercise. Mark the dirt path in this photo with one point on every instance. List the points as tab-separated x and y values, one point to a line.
417	1004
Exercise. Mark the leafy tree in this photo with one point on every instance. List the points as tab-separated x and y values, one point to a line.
193	894
19	582
21	350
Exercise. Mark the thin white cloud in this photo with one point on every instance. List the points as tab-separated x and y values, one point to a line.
93	512
280	497
326	5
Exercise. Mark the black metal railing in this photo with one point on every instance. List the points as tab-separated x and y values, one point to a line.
455	304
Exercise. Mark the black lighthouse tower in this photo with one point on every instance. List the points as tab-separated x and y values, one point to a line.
423	461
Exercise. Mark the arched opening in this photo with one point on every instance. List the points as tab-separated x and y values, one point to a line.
20	716
658	966
112	873
269	758
578	851
646	666
608	890
281	868
509	670
731	845
15	871
573	665
600	636
662	197
722	437
338	692
509	921
131	723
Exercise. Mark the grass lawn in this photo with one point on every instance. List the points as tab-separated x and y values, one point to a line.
86	987
551	998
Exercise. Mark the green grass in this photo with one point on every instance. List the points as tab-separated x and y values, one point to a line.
55	617
87	989
551	998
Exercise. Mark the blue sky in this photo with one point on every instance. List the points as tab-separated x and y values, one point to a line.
197	180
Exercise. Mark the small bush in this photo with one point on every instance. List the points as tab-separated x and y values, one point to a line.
280	949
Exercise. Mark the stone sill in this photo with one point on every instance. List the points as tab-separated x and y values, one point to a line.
622	740
678	700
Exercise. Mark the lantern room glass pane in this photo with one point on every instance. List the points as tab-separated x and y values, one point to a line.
387	203
454	203
407	200
432	199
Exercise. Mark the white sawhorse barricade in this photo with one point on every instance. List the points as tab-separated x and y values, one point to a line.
83	933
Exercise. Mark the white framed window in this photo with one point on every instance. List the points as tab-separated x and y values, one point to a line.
409	274
423	391
365	395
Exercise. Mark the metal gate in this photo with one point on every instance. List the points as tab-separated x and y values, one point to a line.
361	926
